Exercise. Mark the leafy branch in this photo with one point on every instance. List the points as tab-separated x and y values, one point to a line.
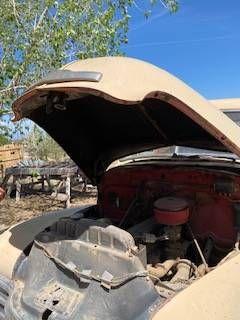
38	36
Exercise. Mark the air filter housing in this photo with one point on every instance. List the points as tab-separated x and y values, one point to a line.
171	211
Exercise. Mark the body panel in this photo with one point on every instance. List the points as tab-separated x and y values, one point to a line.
213	297
145	90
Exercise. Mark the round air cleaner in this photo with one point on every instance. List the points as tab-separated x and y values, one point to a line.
171	211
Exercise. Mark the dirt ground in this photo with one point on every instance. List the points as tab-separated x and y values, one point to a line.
34	205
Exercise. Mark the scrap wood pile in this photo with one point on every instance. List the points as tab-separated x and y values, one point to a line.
51	176
10	155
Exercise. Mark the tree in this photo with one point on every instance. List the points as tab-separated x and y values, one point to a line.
4	140
40	146
38	36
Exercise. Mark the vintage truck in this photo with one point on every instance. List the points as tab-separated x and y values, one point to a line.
163	240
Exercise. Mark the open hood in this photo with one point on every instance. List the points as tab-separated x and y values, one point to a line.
102	109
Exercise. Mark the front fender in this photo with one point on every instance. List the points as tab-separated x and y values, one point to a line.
14	240
213	297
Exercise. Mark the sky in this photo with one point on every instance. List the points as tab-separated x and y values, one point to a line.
200	44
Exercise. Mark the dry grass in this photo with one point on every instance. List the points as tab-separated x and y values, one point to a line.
30	206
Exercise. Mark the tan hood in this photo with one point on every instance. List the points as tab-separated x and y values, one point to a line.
104	108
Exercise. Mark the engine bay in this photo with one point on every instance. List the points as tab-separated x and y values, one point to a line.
189	217
154	231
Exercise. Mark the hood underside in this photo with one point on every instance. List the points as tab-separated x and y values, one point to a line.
127	106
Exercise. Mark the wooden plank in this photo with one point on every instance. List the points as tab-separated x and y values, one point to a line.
10	155
62	171
68	191
18	188
57	170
